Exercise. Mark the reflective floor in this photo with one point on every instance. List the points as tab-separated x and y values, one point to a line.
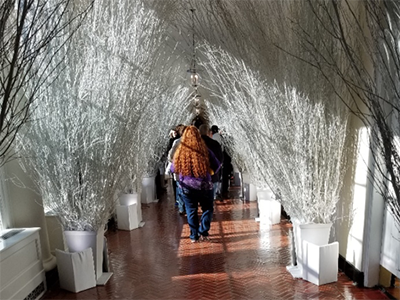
242	261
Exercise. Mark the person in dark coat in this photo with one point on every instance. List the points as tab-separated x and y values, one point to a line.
178	132
215	147
227	170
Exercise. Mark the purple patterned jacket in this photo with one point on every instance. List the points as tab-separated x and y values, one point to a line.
200	183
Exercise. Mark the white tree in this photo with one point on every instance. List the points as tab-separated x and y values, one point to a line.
82	143
29	32
295	145
367	34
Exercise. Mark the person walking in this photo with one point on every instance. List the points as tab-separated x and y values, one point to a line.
175	184
194	163
216	136
216	148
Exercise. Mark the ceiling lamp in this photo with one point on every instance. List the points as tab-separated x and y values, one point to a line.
194	77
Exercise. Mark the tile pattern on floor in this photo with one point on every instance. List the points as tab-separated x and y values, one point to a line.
242	261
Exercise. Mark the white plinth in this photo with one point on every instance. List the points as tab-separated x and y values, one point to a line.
269	211
320	265
81	240
76	270
295	271
316	235
149	193
133	198
127	217
250	190
265	194
128	199
253	192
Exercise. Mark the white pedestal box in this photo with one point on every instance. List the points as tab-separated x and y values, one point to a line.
76	270
127	217
269	208
149	193
270	211
249	190
128	199
317	235
78	241
320	265
133	198
21	269
265	194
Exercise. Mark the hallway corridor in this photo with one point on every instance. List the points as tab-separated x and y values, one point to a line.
159	261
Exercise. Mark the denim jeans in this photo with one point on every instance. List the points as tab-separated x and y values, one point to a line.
192	198
179	200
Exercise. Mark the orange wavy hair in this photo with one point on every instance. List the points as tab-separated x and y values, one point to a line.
191	157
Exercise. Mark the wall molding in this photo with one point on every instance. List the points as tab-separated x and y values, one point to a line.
351	271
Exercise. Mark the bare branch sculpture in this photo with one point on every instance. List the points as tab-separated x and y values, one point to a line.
31	33
366	61
83	141
283	138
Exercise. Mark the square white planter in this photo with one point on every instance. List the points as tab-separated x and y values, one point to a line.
250	191
133	198
76	270
127	217
320	265
78	241
149	193
270	211
317	235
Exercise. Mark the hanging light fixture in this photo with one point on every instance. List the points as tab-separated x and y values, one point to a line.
194	76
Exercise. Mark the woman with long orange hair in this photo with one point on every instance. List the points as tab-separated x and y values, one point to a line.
195	163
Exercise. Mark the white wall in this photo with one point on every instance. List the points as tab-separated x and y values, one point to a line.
24	207
355	236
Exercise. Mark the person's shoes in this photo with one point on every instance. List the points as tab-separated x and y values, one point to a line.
205	238
194	241
181	212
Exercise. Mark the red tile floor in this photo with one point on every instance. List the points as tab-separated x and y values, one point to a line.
158	261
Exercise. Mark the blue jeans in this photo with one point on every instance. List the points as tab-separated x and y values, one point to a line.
179	200
192	198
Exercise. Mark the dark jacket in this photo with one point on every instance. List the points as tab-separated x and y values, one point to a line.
215	147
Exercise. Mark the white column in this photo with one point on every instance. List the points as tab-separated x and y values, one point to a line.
374	221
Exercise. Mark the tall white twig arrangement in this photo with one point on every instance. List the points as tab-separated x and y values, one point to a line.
283	138
31	32
81	145
366	35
